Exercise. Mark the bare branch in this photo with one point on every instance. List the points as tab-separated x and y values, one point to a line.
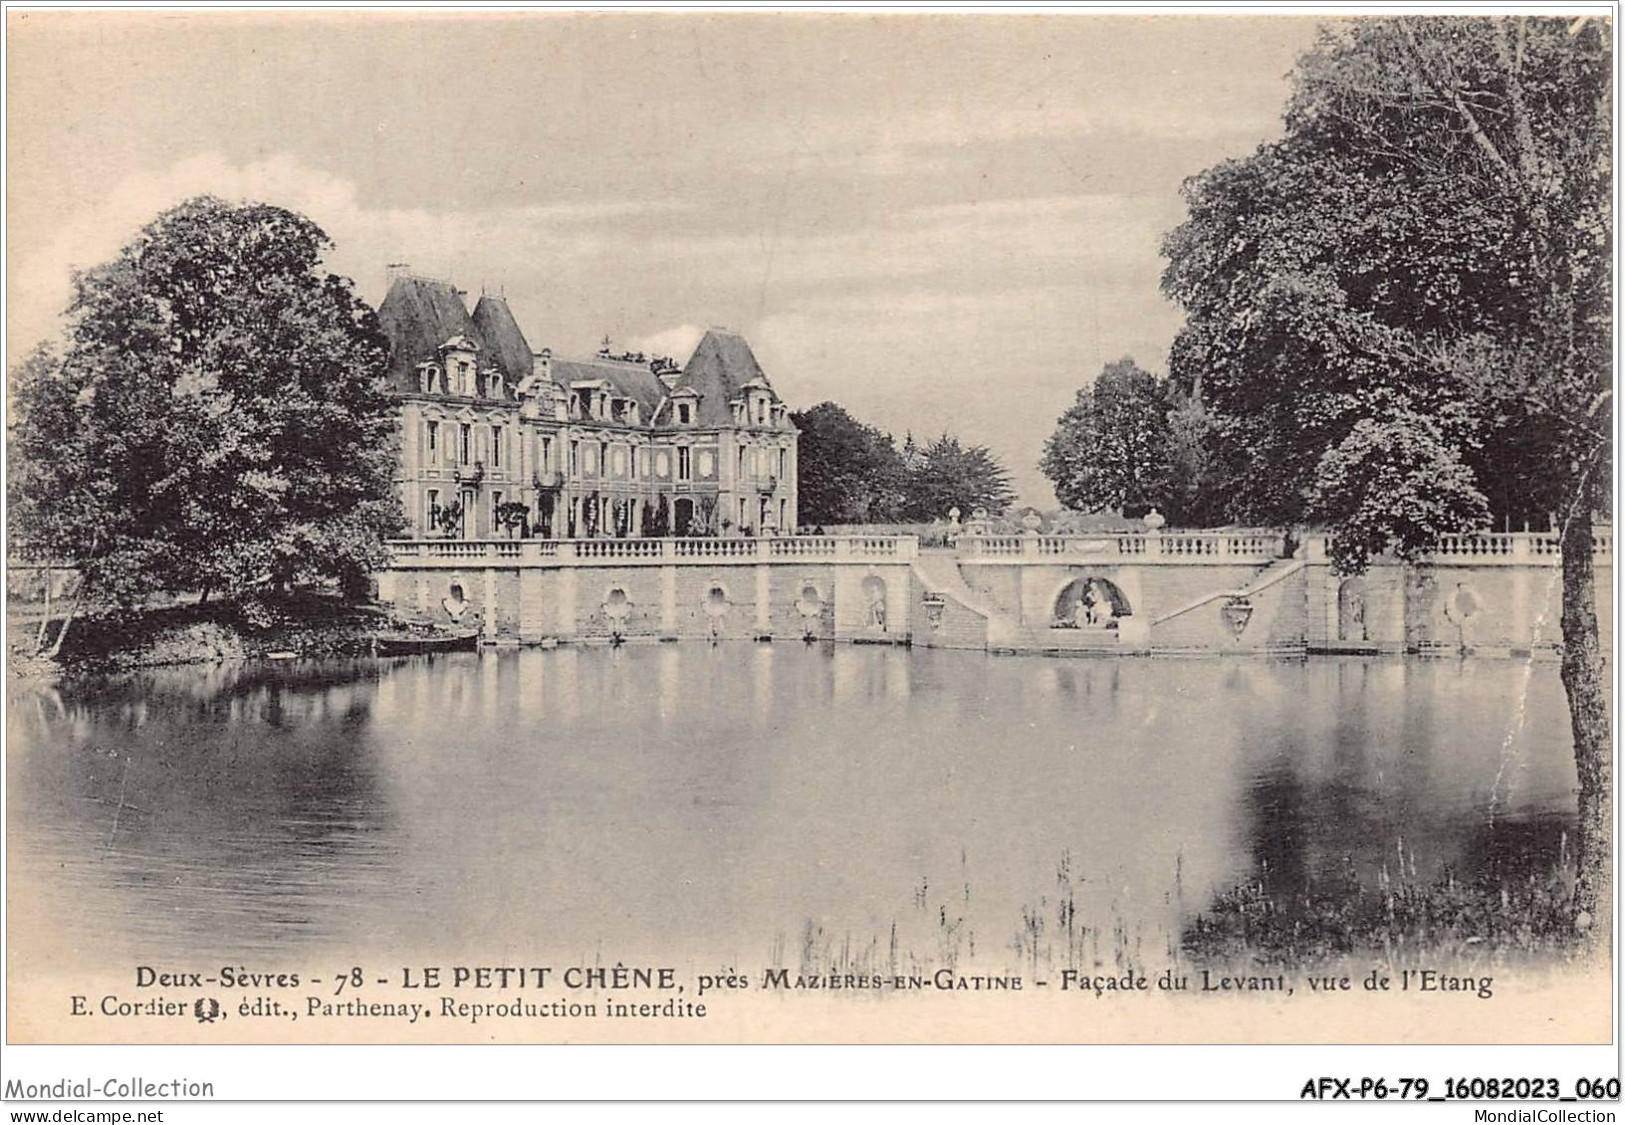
1474	130
1512	62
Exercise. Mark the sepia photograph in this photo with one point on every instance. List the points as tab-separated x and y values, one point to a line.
655	527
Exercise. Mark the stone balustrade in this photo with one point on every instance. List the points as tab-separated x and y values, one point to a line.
1515	548
1178	548
1141	547
434	553
1252	546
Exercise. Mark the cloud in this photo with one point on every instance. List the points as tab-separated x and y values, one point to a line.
41	281
677	343
980	317
466	244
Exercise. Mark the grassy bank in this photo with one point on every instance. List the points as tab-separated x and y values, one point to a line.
1484	919
302	623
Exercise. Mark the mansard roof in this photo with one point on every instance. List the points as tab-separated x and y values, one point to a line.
501	339
420	314
629	380
720	368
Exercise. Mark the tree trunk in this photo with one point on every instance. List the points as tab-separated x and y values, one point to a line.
45	623
1588	717
73	611
86	567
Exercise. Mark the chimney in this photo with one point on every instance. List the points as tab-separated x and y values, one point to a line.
544	363
395	271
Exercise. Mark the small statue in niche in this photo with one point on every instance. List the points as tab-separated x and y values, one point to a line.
874	593
454	603
716	609
617	608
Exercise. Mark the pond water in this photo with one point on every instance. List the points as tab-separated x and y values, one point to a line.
833	806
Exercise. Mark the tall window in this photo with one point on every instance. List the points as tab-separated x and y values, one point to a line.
496	502
575	458
603	458
741	462
683	472
431	514
784	463
544	459
465	440
434	440
496	447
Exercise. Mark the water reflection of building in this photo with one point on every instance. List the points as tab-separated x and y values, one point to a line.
498	441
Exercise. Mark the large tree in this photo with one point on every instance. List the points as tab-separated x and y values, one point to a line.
1398	315
1111	449
216	418
847	472
950	474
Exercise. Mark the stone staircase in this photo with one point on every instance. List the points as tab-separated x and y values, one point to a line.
938	573
1264	577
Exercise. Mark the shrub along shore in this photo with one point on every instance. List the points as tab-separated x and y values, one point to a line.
300	624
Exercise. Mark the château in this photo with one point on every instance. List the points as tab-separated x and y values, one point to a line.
499	441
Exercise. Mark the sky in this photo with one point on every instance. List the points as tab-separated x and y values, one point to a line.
941	222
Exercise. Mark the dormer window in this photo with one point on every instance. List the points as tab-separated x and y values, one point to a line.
463	387
431	379
685	413
495	384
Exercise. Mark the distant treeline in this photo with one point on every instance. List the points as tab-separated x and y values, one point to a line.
853	473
